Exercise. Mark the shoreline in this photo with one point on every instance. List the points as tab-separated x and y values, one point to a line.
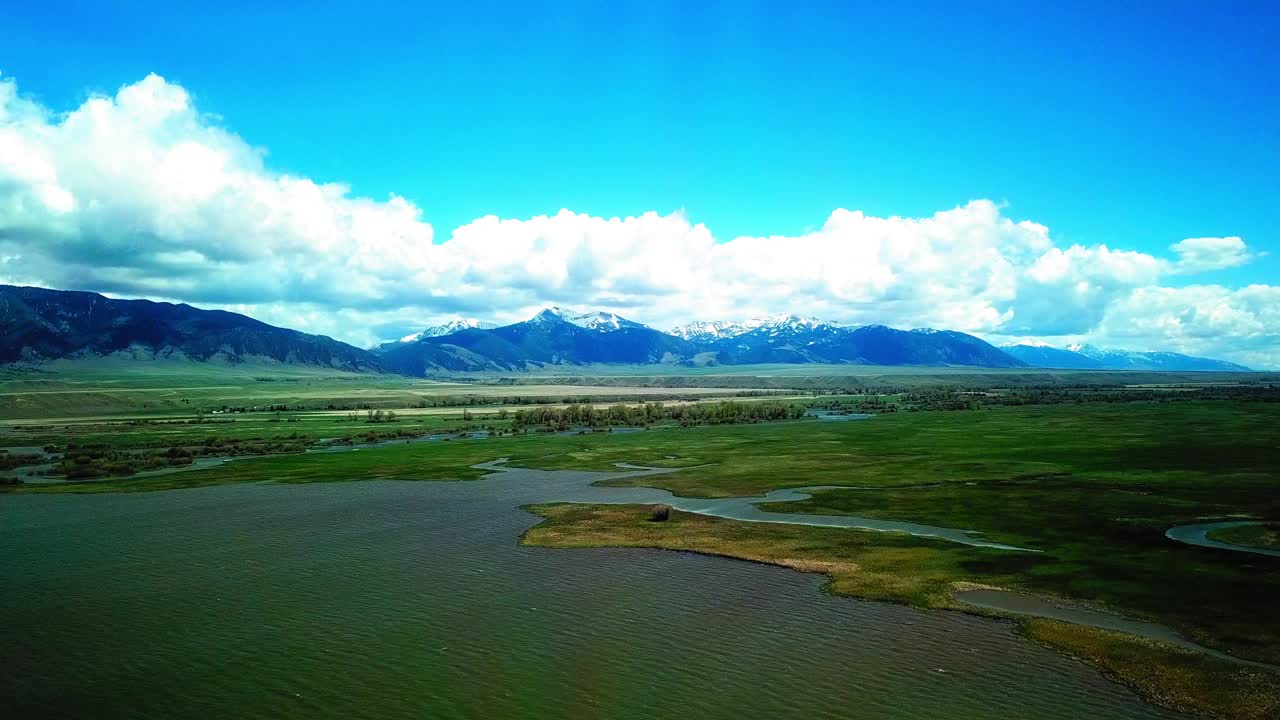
1181	676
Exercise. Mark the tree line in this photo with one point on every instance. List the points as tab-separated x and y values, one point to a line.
649	413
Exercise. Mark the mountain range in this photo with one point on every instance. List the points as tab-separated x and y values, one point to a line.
1088	357
552	337
38	325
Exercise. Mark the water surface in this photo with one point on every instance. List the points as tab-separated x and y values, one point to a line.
411	600
1198	534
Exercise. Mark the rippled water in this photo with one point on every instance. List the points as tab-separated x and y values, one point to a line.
399	599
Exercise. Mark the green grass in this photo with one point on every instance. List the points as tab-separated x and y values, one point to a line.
882	566
1120	444
1170	676
1259	536
1105	544
110	388
179	431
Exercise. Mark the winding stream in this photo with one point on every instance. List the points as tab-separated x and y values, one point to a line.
745	508
1198	534
1026	605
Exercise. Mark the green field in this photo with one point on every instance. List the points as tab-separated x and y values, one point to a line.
70	391
815	376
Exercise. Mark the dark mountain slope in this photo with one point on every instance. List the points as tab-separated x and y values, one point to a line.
1051	357
868	345
38	325
880	345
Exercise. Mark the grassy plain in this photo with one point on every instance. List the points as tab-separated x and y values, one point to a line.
118	389
812	377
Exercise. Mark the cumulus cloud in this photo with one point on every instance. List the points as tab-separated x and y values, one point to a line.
140	194
1196	319
1210	253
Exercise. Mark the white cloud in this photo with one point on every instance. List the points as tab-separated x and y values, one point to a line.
1198	320
140	194
1210	253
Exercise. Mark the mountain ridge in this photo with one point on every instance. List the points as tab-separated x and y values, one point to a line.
1089	357
556	336
39	324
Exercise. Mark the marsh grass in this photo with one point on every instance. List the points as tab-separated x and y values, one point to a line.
1259	536
883	566
1168	675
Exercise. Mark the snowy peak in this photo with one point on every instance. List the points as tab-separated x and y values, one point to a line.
448	328
711	330
786	322
708	330
597	320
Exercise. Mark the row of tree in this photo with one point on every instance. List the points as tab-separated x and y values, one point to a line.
719	413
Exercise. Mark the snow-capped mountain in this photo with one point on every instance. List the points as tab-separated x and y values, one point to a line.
595	320
1040	354
1112	359
788	338
788	323
447	328
555	336
709	330
1082	356
712	330
41	325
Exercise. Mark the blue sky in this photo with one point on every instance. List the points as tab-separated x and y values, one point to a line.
1133	125
1110	122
